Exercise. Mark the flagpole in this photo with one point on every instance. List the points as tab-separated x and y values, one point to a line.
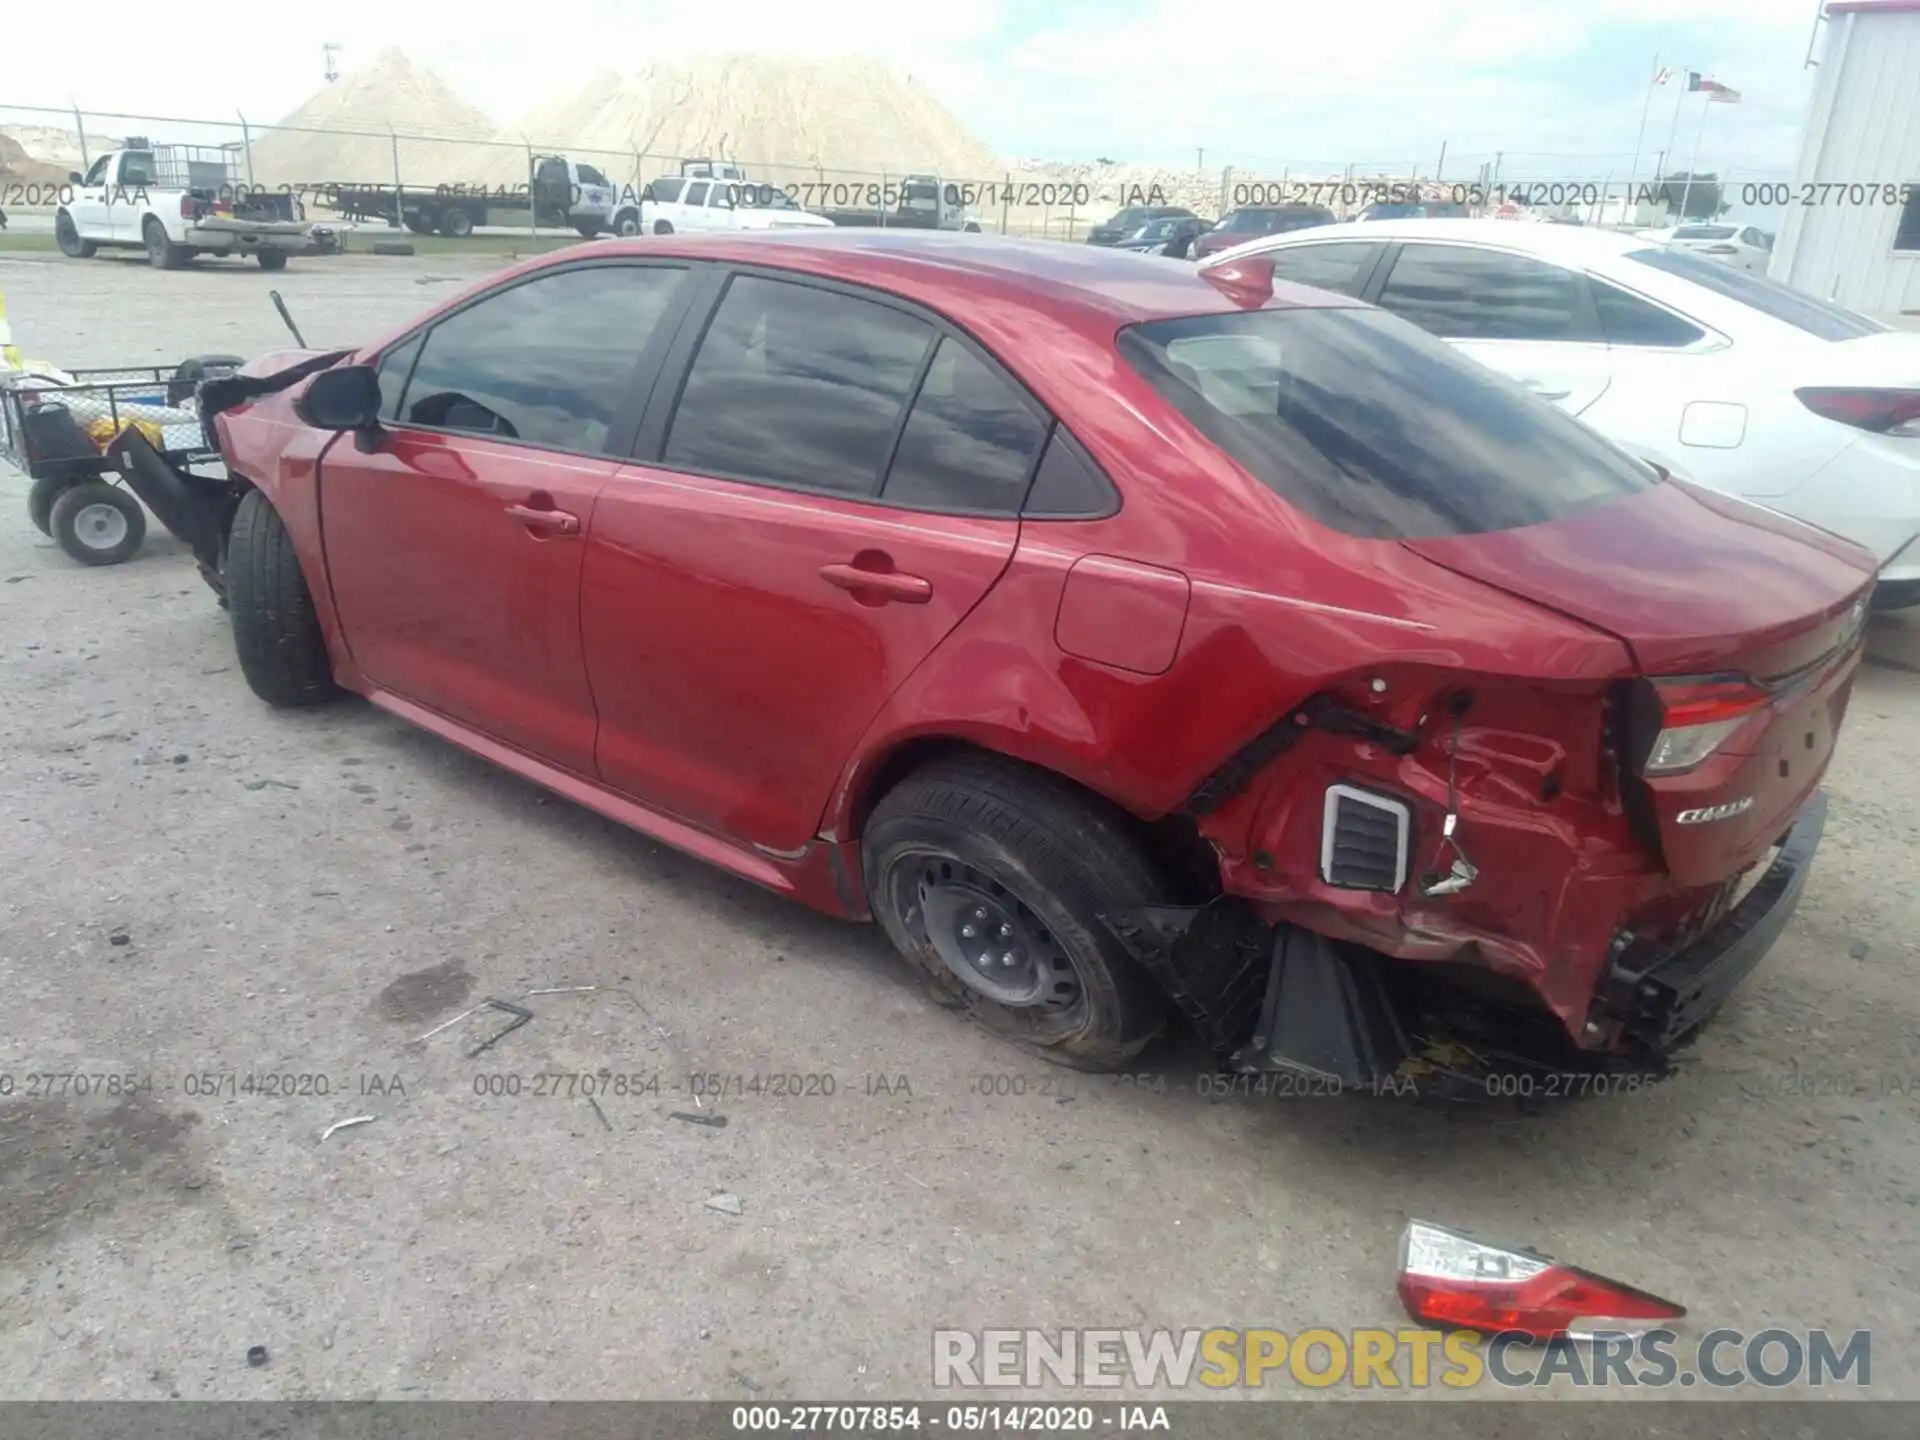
1693	166
1638	139
1673	131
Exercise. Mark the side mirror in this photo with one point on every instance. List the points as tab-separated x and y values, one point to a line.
74	177
347	398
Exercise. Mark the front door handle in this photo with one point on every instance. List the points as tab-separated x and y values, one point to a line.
883	584
558	521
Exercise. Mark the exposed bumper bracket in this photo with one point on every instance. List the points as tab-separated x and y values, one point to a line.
1663	997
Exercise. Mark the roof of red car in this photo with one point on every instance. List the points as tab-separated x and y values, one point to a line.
946	269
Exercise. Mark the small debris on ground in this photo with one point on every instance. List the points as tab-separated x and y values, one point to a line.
276	784
726	1204
344	1124
598	1111
1859	950
256	1355
119	937
716	1122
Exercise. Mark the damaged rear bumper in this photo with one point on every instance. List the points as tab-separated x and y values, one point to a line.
1279	998
1660	998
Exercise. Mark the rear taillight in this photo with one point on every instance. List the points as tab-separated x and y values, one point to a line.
1697	717
188	207
1885	412
1449	1278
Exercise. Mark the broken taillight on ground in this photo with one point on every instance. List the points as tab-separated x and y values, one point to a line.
1451	1278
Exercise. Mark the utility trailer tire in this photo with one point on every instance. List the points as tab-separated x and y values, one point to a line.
97	523
991	878
271	259
276	633
162	253
40	500
67	236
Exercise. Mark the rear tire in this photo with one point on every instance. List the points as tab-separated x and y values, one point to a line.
276	633
457	223
973	860
663	227
162	253
271	259
40	500
67	236
97	523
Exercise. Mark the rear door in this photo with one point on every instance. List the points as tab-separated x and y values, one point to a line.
1342	266
1528	319
454	547
753	594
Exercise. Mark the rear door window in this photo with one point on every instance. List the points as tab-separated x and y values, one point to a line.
1461	293
549	361
1342	268
970	440
1373	428
797	385
1628	320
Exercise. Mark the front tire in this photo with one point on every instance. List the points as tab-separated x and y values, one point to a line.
276	632
627	224
991	879
97	523
271	259
67	236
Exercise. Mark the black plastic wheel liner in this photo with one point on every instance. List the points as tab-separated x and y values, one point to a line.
193	507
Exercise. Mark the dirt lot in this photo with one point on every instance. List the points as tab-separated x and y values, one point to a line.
200	890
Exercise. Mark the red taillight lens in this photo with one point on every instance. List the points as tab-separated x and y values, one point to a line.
1881	411
1697	717
1450	1278
188	207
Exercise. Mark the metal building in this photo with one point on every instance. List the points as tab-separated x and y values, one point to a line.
1852	228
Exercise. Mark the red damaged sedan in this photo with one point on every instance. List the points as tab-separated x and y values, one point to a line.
1126	642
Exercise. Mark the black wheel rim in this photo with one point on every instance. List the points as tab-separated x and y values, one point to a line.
991	940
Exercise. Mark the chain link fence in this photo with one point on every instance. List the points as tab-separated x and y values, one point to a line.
382	178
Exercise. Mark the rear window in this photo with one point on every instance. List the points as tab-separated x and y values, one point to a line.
1790	307
1373	427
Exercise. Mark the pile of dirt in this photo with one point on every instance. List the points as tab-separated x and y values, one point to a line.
391	95
785	120
19	168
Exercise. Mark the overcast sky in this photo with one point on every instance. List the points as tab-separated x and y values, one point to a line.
1558	86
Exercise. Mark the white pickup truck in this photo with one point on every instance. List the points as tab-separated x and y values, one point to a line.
179	201
694	202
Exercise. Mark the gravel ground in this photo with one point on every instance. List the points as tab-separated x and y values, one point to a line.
198	889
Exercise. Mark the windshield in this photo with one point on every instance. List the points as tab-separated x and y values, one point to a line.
1704	232
1791	307
1375	428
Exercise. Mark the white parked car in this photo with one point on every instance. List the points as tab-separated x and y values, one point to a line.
692	203
1745	247
1719	375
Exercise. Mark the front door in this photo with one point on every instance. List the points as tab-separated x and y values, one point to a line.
89	205
753	595
454	548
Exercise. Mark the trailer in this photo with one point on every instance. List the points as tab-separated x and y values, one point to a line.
559	192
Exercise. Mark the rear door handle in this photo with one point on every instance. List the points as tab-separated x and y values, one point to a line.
888	584
558	521
1544	389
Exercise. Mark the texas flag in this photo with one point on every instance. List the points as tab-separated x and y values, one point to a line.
1712	89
